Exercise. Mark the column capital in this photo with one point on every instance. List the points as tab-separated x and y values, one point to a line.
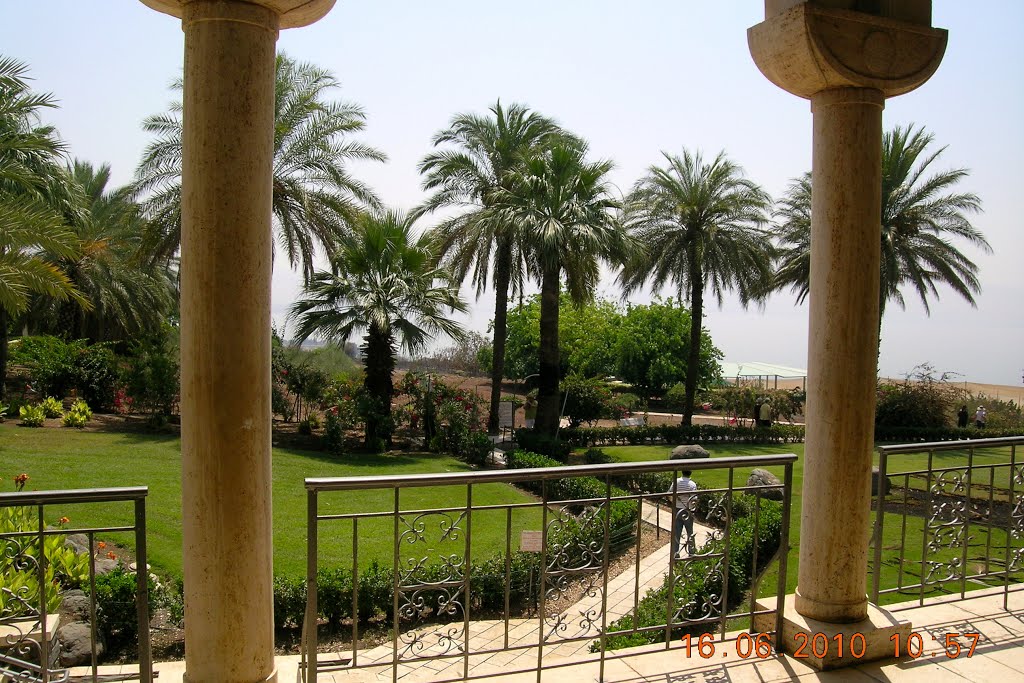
291	13
808	46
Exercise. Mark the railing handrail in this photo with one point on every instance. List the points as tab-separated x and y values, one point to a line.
952	445
507	476
108	495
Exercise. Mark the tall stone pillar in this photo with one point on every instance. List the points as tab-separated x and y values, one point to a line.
846	63
226	265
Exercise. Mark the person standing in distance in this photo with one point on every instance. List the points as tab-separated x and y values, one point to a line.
682	517
979	417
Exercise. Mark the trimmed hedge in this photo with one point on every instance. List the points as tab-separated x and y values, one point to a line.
707	584
926	434
681	434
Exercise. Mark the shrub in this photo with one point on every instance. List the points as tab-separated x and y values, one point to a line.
586	437
152	375
289	601
32	416
51	407
529	440
585	400
117	619
97	375
334	432
78	416
921	400
58	366
624	404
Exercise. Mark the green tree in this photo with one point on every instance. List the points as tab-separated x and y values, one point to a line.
482	242
654	348
565	208
701	226
130	298
33	232
315	198
384	282
921	219
587	338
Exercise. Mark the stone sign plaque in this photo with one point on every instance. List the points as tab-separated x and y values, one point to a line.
506	414
531	541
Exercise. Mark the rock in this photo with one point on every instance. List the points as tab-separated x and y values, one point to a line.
74	606
496	459
78	542
688	452
886	484
76	644
761	477
105	565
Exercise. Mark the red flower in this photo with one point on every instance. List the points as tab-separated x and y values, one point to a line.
20	480
63	520
111	555
101	545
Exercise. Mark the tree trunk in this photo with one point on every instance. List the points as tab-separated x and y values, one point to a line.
547	384
3	352
696	318
380	363
502	276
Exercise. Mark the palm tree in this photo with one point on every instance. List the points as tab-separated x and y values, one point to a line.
486	151
701	226
315	199
567	215
920	216
385	283
129	297
32	231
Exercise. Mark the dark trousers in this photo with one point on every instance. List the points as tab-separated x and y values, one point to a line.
682	521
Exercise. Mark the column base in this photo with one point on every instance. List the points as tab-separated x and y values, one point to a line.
877	631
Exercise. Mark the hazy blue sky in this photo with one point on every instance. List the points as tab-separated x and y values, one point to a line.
633	78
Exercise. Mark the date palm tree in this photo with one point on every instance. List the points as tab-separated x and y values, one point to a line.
701	227
568	217
483	154
920	219
315	198
384	283
129	297
32	230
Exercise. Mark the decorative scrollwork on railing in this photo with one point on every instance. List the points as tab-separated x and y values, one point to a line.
587	612
941	572
585	549
439	602
710	605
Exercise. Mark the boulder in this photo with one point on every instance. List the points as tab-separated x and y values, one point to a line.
761	477
74	606
886	484
78	542
76	644
688	452
105	565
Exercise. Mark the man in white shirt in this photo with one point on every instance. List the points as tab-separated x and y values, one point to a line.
683	491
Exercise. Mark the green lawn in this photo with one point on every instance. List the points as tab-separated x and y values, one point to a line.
893	533
66	459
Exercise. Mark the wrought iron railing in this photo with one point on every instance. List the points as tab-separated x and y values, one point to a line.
959	510
32	559
440	614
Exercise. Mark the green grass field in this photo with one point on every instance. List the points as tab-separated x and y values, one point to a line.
899	557
66	459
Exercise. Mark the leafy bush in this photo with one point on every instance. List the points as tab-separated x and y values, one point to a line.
624	404
334	432
153	375
78	416
117	618
309	424
51	407
58	366
97	375
922	400
32	416
585	400
557	448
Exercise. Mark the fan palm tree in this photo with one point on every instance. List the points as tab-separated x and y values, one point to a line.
385	282
485	152
32	231
700	224
315	198
567	215
129	297
920	217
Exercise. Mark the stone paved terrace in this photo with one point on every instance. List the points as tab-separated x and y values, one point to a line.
998	657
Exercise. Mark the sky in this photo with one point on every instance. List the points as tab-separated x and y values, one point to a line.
634	79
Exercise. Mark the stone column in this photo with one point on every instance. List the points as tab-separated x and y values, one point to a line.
842	353
226	265
846	63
